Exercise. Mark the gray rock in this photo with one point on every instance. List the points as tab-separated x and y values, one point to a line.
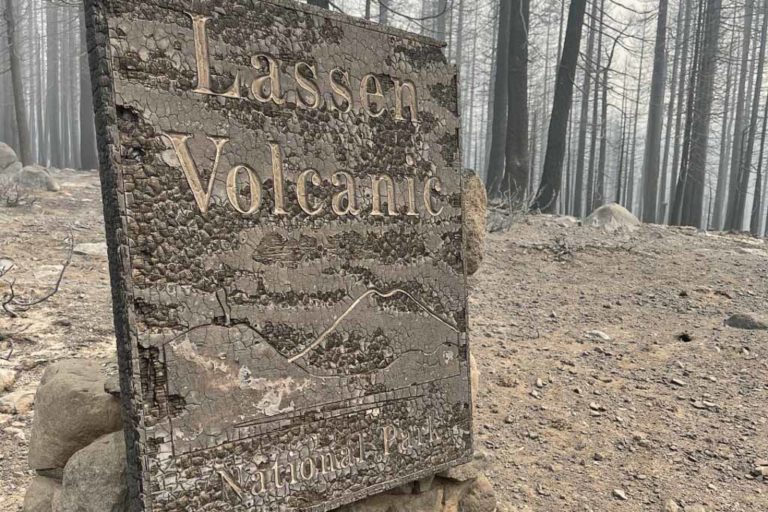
467	472
112	385
38	178
72	411
480	497
499	220
612	217
598	335
92	249
8	158
7	379
475	207
671	506
620	494
431	501
95	477
747	322
40	494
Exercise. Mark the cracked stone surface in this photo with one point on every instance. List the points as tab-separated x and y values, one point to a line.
283	206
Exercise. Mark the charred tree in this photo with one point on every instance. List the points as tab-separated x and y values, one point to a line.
551	179
652	158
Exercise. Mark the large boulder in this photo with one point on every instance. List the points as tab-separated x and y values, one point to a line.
35	177
40	494
747	322
475	207
612	217
9	162
95	478
72	410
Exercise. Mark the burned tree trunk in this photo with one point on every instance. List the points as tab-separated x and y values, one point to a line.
501	90
551	179
14	47
517	151
652	158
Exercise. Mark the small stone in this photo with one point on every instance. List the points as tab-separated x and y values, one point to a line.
92	249
597	407
539	383
620	494
671	506
678	382
598	335
7	379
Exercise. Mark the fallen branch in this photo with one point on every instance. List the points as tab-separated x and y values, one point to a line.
12	304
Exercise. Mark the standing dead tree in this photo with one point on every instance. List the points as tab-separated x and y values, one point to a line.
551	179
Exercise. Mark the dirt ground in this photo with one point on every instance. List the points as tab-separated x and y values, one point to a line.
608	379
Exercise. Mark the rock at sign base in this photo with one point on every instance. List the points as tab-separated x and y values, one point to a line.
612	217
428	502
92	249
36	177
475	208
72	411
746	322
95	477
18	402
467	472
480	497
41	494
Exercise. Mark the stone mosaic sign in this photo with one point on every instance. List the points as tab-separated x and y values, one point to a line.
283	204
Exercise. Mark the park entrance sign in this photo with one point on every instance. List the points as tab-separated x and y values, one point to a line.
282	193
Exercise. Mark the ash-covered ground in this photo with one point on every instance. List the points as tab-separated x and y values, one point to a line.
609	380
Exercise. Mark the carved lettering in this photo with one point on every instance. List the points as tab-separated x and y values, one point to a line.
376	182
345	202
277	177
301	191
410	88
268	87
188	165
202	58
366	96
309	85
432	184
233	191
341	89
